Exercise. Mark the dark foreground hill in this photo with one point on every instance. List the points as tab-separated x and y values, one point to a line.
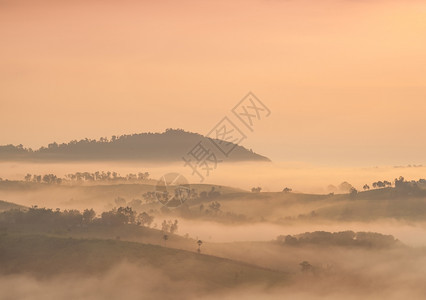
48	256
170	145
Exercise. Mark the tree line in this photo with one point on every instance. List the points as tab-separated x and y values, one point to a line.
144	146
343	238
79	177
75	218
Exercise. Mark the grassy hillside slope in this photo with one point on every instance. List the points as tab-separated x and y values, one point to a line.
43	256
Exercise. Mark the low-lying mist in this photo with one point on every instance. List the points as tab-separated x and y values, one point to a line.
275	176
413	234
381	279
235	230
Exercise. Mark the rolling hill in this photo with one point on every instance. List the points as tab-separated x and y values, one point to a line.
168	146
4	205
43	256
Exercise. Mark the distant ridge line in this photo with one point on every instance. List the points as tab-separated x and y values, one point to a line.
168	146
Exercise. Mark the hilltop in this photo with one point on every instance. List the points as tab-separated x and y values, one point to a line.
4	205
167	146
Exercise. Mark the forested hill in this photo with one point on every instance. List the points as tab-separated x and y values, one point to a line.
170	145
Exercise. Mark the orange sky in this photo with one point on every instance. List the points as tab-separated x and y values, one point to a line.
345	80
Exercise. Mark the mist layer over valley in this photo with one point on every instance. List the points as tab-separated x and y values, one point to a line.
88	231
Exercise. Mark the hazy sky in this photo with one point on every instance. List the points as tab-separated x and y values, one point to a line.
345	79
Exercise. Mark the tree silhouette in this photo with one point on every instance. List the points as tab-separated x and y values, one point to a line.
199	242
256	189
306	267
165	238
88	215
145	220
345	186
169	226
28	177
353	192
387	183
287	190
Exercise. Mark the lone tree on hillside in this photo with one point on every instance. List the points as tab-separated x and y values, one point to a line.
165	238
306	267
256	189
287	190
199	242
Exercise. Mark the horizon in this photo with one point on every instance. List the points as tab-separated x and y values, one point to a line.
396	163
